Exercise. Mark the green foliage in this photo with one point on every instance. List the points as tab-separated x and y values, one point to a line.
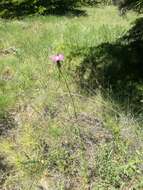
15	8
41	140
96	2
129	4
105	2
112	167
117	66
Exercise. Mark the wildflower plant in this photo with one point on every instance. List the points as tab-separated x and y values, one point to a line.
58	59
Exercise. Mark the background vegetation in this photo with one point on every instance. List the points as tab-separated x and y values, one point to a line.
42	144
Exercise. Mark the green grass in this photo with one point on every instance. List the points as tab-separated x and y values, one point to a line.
36	38
102	148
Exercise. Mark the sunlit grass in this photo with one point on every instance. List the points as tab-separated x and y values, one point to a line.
47	146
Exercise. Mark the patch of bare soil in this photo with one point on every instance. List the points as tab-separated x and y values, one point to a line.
8	51
7	122
4	170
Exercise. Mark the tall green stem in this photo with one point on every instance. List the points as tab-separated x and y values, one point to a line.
66	83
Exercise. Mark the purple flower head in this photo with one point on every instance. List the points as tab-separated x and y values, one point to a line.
57	58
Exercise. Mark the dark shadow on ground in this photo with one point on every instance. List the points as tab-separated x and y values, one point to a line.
118	67
10	10
5	169
7	123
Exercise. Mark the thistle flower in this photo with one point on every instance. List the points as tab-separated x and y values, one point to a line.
57	58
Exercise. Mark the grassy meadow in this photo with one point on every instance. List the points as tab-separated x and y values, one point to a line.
43	145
